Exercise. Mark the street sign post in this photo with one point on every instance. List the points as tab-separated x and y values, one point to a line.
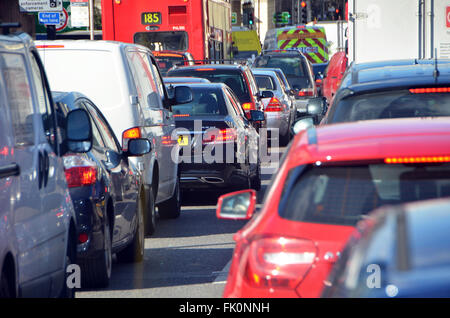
40	5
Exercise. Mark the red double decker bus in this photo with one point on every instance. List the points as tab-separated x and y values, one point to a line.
201	27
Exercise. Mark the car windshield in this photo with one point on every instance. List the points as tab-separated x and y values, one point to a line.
265	82
341	195
234	79
205	102
391	104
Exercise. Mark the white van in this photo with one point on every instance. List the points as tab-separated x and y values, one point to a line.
124	81
38	223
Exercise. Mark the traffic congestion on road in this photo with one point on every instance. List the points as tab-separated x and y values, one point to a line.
172	159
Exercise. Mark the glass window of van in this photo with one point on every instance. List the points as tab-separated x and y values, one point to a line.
19	97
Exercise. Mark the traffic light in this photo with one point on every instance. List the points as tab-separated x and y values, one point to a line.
303	13
248	17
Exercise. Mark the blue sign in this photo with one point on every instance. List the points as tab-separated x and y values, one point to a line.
49	18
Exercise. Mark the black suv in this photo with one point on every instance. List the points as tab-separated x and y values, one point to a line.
238	77
296	67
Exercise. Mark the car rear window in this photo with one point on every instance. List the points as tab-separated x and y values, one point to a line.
390	104
343	194
165	63
265	82
233	78
205	102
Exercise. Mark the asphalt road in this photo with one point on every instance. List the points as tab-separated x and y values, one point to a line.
188	257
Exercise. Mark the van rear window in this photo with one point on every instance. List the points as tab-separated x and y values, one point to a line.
341	195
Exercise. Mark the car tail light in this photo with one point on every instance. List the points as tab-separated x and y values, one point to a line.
218	136
278	262
429	90
132	133
419	159
248	106
274	105
306	92
83	238
79	171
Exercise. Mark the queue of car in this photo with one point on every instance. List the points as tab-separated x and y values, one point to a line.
92	153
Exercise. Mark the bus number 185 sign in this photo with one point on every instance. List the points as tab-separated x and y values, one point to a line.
151	18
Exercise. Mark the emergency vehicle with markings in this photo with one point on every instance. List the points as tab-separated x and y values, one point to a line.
310	40
202	28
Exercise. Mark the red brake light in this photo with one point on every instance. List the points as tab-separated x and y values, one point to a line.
280	262
205	69
83	238
421	159
81	176
248	106
181	115
274	106
223	135
306	92
428	90
79	171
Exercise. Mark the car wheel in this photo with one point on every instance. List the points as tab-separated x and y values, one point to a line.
134	252
171	208
97	272
150	214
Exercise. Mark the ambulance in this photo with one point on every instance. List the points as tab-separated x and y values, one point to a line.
310	40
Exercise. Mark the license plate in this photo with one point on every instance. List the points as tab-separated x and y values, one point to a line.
183	140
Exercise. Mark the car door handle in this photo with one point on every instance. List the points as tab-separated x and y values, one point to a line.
43	166
10	170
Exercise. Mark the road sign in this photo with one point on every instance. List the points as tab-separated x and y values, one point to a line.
40	5
49	18
79	13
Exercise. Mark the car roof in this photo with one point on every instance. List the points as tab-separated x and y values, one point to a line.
262	71
67	97
354	70
371	140
215	66
407	76
201	85
185	79
86	45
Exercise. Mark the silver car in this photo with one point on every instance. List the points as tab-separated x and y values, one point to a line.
279	109
38	224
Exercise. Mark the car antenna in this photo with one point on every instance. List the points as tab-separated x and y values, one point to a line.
436	71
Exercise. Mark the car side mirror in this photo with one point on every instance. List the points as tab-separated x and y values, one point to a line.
267	94
316	106
182	95
257	115
239	205
302	124
78	131
138	147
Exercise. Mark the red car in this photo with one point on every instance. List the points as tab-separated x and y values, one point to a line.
333	75
330	178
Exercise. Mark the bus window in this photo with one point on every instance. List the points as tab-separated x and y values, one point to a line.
157	41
